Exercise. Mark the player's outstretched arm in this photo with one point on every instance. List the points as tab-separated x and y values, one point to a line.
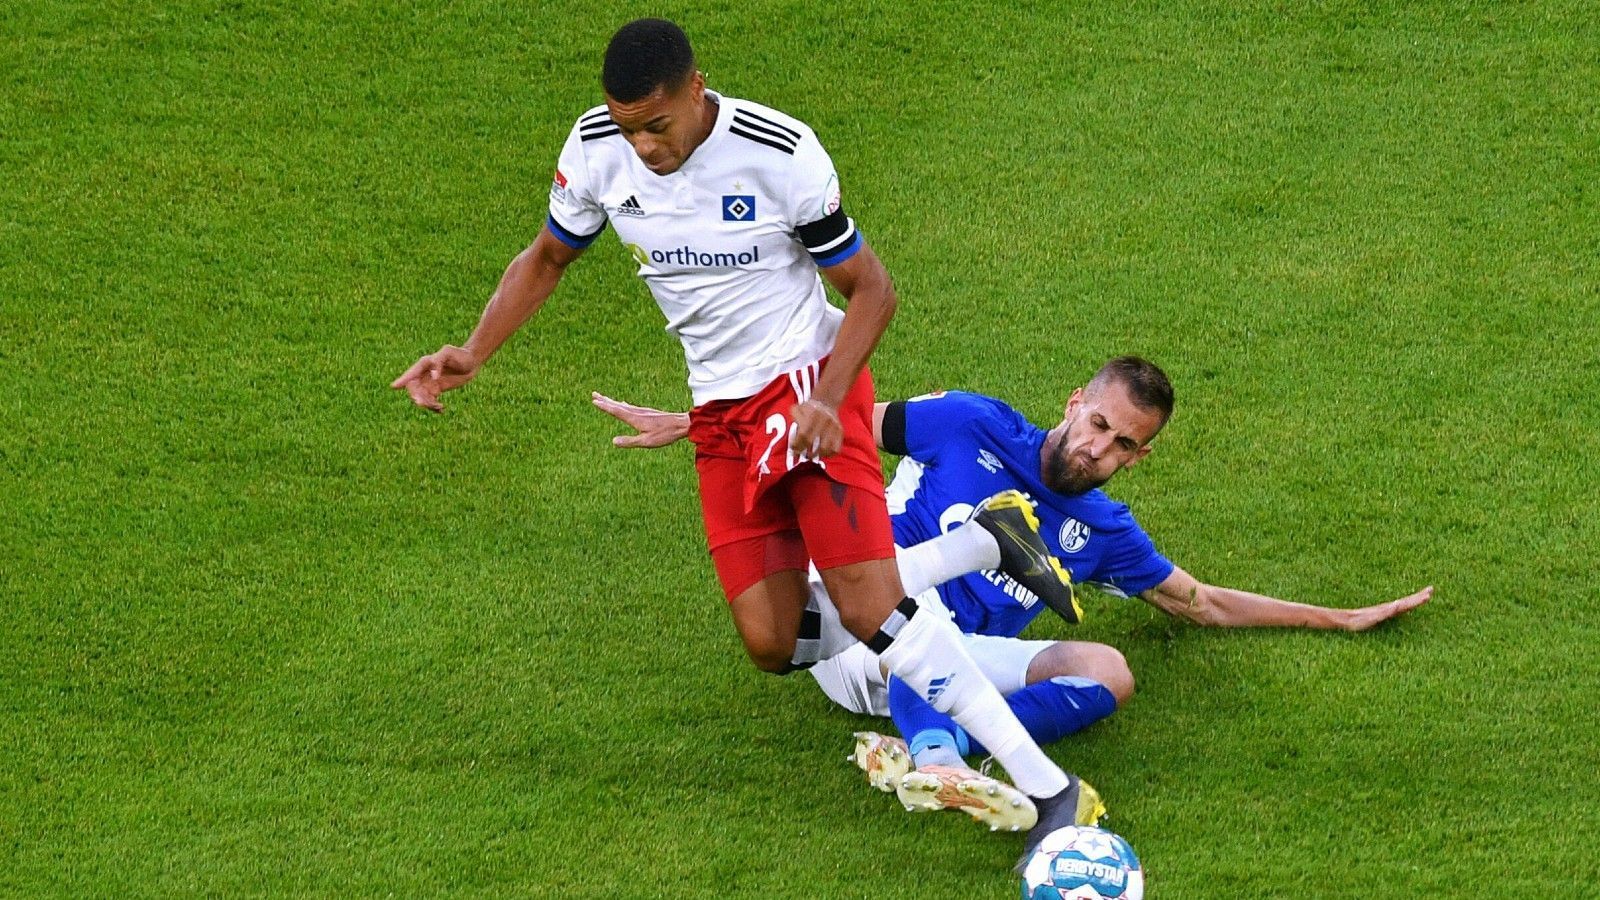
1186	597
653	427
527	283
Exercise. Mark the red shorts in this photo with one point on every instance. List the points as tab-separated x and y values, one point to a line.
766	507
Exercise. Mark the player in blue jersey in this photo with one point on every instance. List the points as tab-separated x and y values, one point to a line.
960	448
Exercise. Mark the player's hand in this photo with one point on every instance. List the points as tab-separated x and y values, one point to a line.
432	375
817	431
1368	616
656	428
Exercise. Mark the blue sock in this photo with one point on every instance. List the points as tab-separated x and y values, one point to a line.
930	734
1049	710
1053	709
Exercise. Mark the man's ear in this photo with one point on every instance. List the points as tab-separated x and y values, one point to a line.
1073	402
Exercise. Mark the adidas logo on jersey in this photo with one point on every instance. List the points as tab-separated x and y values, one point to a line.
630	207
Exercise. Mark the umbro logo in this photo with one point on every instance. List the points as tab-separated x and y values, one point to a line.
630	207
990	461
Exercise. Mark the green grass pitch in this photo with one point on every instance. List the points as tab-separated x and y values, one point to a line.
268	630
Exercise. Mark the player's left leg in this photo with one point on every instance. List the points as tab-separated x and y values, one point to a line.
1050	710
841	512
1055	688
1101	663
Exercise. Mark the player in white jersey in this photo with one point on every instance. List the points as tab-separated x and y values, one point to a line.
731	210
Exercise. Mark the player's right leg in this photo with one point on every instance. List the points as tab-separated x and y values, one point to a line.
1054	688
884	758
767	615
843	531
1010	518
1049	709
758	553
1002	534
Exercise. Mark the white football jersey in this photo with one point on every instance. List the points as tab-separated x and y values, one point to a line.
729	244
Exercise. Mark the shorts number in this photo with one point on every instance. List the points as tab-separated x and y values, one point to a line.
782	429
775	423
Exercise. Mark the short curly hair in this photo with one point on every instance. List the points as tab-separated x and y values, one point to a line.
643	55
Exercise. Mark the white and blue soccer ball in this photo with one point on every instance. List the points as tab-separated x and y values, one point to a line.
1082	863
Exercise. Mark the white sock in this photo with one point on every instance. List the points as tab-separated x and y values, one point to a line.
965	548
927	654
822	636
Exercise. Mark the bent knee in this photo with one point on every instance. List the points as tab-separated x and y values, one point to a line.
865	594
1099	662
1121	686
1113	672
770	657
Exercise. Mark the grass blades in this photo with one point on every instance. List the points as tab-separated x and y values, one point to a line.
269	630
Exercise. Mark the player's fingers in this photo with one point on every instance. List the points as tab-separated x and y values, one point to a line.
423	397
451	359
631	416
833	439
1415	600
407	375
1384	612
627	412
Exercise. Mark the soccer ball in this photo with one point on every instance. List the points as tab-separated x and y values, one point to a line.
1082	863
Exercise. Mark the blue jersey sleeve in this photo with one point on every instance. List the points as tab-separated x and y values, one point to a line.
1131	565
936	421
